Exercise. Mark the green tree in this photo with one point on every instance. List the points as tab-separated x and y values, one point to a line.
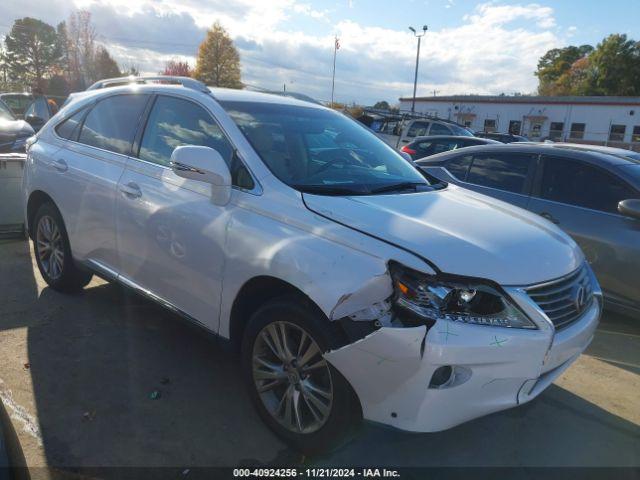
382	105
555	64
616	65
33	51
218	62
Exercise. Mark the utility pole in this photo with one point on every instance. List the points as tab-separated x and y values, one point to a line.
415	78
336	46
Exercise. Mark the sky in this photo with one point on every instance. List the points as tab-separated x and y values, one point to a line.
470	47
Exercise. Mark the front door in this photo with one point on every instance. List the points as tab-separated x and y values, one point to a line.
582	199
170	235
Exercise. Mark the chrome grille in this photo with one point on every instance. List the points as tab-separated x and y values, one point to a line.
565	299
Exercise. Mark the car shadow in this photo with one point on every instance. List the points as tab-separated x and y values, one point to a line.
618	342
120	381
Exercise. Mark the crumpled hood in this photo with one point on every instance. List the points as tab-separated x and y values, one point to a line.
460	232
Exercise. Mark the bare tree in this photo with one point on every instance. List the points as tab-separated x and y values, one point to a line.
81	36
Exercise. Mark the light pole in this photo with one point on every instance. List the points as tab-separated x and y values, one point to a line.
415	79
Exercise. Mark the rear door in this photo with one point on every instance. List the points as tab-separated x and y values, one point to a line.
505	176
87	171
582	199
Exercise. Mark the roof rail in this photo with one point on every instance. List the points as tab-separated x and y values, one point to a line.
184	81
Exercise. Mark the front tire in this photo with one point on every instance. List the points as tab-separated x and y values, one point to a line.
298	394
53	252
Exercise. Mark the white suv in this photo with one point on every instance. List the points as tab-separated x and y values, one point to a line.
354	286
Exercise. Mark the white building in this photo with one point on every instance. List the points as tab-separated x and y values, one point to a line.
613	121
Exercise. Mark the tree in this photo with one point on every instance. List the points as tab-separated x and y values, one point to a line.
382	105
104	65
556	63
130	70
177	68
218	62
32	51
616	65
612	68
81	47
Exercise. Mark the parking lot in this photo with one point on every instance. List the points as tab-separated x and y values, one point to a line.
106	378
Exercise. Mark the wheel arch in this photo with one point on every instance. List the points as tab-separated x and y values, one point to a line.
253	294
36	199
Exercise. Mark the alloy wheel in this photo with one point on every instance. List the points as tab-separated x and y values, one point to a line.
49	247
291	377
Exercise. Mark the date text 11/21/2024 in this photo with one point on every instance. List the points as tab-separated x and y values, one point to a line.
316	473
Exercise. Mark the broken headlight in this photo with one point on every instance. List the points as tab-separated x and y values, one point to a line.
466	301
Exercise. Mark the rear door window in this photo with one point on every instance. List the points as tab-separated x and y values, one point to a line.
437	129
459	166
418	129
577	183
502	171
111	124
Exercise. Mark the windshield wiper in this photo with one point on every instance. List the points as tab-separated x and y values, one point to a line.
327	190
399	186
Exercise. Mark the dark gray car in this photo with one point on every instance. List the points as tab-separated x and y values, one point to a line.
592	194
429	145
13	132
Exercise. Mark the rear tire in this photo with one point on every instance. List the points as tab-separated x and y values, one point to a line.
299	395
53	252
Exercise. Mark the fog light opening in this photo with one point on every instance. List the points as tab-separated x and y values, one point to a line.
442	377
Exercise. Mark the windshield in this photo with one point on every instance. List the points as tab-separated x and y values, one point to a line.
5	112
322	151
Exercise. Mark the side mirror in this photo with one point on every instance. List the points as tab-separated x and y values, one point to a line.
204	164
630	208
34	120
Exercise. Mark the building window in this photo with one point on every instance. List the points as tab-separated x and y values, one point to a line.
635	137
467	123
555	130
489	125
577	131
515	127
616	134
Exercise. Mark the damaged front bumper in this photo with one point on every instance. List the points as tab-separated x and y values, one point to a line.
392	370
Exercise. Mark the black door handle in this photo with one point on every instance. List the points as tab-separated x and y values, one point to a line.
549	217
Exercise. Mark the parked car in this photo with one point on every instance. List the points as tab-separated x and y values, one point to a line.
430	127
13	132
34	109
352	286
619	152
425	146
502	137
592	194
17	102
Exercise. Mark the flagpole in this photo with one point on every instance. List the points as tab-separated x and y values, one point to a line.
333	77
